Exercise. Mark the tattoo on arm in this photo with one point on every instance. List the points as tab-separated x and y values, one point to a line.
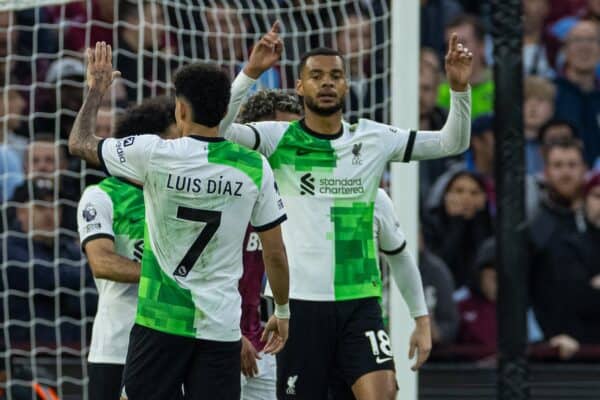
82	141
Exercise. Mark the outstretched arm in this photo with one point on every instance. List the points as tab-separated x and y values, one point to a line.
82	141
455	136
265	54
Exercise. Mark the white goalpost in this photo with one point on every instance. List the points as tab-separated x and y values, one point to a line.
404	180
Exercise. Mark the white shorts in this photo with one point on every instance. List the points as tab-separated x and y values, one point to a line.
261	386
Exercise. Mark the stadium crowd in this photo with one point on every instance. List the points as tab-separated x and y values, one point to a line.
48	298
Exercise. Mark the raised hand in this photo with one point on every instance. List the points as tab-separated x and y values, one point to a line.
459	65
265	54
100	72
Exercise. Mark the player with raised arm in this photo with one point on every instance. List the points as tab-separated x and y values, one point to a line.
328	173
258	368
110	218
200	192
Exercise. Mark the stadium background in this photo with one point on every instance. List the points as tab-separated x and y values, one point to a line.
48	296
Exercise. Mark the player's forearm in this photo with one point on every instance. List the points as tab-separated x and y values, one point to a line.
276	268
82	141
455	135
408	280
239	89
113	267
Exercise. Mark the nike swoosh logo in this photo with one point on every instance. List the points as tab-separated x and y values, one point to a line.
302	152
382	360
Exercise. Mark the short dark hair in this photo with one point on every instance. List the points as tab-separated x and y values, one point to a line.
563	143
207	89
468	19
551	124
319	51
153	115
265	103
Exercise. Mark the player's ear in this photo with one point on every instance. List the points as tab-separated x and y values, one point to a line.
299	87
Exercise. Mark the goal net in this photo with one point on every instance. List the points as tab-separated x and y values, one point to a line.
48	298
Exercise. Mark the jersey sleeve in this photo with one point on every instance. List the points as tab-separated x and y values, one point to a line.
239	89
454	137
94	216
268	211
260	136
127	157
390	235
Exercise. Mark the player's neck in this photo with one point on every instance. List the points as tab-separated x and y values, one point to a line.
325	125
200	130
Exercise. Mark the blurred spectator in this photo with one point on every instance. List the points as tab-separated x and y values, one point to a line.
366	92
33	247
458	223
562	8
150	54
431	118
556	130
588	10
227	33
578	94
438	287
11	118
436	13
478	310
535	56
44	157
557	216
578	258
11	172
68	75
538	108
101	15
471	34
48	159
480	158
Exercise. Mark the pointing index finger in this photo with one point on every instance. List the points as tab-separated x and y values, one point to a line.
275	27
453	41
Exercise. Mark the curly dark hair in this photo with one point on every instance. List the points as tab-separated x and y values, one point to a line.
263	105
207	88
153	115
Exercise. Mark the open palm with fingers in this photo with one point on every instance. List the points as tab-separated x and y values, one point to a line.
100	72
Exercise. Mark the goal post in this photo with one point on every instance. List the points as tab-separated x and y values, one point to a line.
404	181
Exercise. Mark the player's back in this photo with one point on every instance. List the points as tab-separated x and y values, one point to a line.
200	194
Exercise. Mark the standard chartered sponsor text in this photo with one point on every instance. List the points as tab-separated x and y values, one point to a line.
340	186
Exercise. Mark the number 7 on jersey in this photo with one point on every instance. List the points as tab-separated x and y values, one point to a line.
212	220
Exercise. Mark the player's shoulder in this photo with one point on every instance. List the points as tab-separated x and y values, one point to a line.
96	192
369	127
270	127
248	161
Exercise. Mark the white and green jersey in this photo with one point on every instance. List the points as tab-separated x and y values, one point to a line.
200	194
113	209
329	183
